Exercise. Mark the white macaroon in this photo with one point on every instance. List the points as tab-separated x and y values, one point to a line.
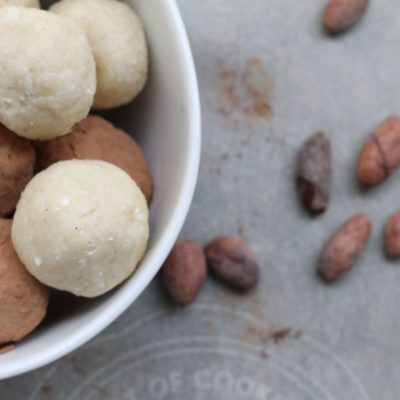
22	3
81	226
48	73
118	41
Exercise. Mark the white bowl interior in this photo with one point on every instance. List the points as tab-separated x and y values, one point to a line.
165	120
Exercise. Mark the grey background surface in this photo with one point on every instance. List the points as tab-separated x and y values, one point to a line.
343	343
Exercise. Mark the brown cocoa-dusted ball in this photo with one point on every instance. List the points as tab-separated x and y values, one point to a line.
94	138
23	300
17	161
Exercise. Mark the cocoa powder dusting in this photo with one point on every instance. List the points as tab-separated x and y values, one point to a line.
280	334
259	88
46	388
228	99
224	156
264	335
78	367
103	392
215	170
256	332
249	91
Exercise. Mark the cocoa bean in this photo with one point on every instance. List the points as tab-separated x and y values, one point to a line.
340	15
344	247
314	173
231	260
392	236
380	155
184	271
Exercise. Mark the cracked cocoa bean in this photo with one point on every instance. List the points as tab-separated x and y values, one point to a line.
314	173
231	260
340	15
392	236
380	155
185	271
344	247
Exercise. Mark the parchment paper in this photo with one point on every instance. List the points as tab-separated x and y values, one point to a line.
294	338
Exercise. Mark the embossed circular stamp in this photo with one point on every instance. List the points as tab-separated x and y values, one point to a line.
168	356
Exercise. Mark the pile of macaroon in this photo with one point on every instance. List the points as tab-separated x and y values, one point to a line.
74	189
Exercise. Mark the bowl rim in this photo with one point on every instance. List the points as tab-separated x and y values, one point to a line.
132	289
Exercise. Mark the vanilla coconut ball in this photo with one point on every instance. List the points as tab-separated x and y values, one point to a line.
81	226
48	73
22	3
119	47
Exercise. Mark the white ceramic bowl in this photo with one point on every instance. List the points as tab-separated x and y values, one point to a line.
166	121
